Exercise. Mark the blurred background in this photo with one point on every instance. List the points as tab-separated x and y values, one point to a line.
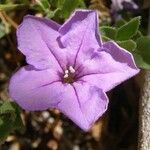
116	130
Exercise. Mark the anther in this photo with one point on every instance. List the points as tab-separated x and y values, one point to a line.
66	71
66	76
71	69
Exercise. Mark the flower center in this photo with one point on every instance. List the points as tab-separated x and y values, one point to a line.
69	75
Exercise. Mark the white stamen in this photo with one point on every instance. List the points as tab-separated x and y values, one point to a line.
66	71
66	76
71	69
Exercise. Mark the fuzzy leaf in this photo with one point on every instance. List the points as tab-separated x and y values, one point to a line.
120	23
128	30
67	6
105	39
8	107
137	35
5	7
10	119
129	45
2	30
143	48
142	52
43	4
140	62
108	32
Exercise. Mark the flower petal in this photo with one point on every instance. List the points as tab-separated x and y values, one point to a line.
35	90
108	67
79	34
84	104
37	41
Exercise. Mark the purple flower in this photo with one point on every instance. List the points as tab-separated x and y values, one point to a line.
120	4
69	67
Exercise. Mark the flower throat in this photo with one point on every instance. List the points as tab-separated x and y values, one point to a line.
69	75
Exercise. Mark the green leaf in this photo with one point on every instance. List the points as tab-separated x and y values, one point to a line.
140	62
129	45
61	9
43	4
5	7
51	14
120	23
128	30
82	4
8	107
142	52
67	6
10	119
105	39
137	35
2	30
109	32
6	125
143	48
